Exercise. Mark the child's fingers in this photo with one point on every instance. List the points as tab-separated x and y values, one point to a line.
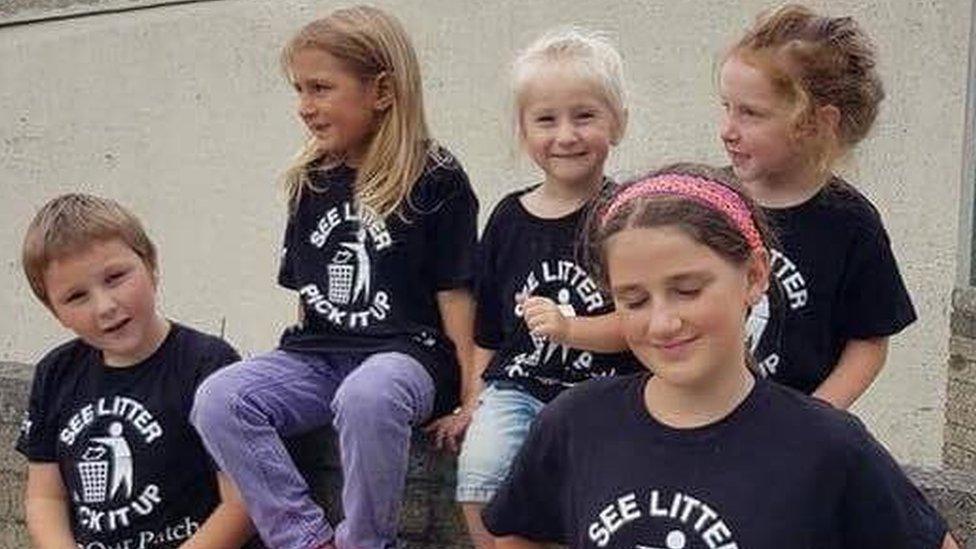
538	310
536	302
541	320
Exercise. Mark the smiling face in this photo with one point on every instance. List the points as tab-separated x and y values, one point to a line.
682	305
106	295
566	127
338	107
758	126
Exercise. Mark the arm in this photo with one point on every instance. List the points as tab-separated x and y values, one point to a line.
229	525
46	505
515	542
456	308
860	362
949	543
600	333
482	357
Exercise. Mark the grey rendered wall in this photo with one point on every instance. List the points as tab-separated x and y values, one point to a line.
180	112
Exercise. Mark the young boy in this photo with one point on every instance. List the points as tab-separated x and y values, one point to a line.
112	459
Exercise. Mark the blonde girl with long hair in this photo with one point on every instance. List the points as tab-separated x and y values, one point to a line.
378	246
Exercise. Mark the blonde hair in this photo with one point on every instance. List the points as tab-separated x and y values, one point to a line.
588	54
371	44
815	61
70	223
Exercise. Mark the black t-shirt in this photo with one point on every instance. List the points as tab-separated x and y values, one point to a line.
521	254
836	280
136	472
597	470
368	284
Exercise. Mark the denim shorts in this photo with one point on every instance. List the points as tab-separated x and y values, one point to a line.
498	429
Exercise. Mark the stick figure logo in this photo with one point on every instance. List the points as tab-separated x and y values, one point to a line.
567	310
756	323
103	477
349	280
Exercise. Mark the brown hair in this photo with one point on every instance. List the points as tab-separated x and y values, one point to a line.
815	61
69	224
702	223
371	43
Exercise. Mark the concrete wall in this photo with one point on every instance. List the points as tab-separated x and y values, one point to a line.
180	112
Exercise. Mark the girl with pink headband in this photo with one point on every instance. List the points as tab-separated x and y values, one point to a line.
704	452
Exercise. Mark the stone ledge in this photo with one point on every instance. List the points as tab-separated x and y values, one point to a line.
430	519
953	493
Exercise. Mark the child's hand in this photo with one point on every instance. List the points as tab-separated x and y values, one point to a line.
447	432
544	318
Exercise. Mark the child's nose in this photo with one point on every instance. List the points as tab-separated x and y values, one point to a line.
566	133
664	322
306	107
105	303
728	131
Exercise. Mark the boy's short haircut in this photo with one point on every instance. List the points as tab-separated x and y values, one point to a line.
72	222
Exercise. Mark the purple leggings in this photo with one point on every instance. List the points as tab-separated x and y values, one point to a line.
243	411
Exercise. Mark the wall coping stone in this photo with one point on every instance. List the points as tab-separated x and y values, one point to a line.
430	518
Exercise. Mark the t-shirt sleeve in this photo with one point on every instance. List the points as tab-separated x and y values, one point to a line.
882	509
873	299
219	354
454	232
38	432
533	501
488	331
286	267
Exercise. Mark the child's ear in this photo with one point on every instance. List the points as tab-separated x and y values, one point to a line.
383	89
828	119
757	276
823	121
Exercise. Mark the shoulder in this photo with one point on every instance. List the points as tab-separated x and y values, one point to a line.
443	179
509	206
199	350
847	205
834	431
66	357
605	393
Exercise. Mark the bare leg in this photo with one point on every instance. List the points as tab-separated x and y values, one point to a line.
481	538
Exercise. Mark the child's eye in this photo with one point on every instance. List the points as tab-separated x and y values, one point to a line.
74	298
116	276
750	112
635	304
632	302
587	115
545	119
688	292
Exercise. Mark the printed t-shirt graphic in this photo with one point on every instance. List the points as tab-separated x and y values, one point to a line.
368	284
522	255
135	471
597	470
834	278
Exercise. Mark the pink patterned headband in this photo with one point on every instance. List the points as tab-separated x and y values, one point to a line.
707	193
